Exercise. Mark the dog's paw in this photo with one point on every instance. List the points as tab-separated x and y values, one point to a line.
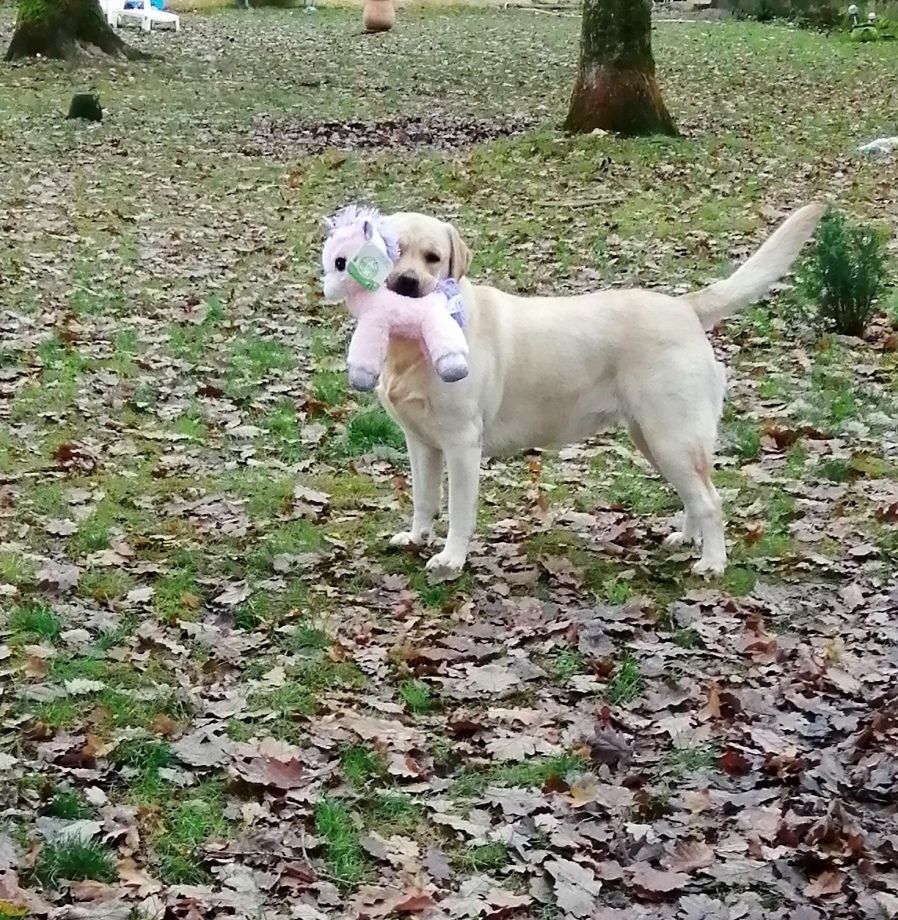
360	379
445	566
452	368
406	538
709	567
680	538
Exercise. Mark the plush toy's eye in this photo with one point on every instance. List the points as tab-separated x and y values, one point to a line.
340	264
432	258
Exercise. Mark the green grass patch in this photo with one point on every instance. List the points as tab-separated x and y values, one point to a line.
533	773
16	570
307	637
330	387
144	754
74	860
34	621
369	430
266	496
258	357
78	667
345	859
393	813
105	585
739	581
361	765
61	713
293	538
640	491
684	761
284	707
68	805
687	638
95	531
177	596
417	696
626	684
282	425
565	662
744	439
184	827
490	857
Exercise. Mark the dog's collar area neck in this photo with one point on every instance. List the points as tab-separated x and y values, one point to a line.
455	304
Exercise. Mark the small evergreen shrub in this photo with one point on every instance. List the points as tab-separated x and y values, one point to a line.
845	275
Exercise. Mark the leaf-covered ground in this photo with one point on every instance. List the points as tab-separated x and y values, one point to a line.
223	697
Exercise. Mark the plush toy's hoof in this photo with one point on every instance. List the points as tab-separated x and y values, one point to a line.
452	368
361	379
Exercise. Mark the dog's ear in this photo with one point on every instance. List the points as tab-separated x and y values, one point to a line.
459	254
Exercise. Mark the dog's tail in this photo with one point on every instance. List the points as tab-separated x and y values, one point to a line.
753	279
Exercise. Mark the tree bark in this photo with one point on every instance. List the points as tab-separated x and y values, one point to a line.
64	29
616	89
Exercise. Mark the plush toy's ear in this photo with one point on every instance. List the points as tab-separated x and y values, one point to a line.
459	254
369	230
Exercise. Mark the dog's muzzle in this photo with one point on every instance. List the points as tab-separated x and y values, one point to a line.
406	285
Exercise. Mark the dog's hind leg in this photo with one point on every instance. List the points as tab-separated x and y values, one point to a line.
691	532
685	457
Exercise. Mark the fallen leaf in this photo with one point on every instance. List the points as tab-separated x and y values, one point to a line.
734	762
232	595
269	763
656	882
203	748
610	747
58	577
689	855
576	887
81	686
827	883
491	678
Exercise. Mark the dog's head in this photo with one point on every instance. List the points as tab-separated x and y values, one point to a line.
429	251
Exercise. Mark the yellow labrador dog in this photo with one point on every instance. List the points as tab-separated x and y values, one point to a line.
546	371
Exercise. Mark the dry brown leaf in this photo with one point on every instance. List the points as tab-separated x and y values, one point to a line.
689	855
270	763
576	887
827	883
656	882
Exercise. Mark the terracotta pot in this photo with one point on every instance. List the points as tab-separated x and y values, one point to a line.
378	15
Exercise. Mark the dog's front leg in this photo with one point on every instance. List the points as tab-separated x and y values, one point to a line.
463	465
427	472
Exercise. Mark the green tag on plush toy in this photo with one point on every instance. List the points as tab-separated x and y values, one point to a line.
370	266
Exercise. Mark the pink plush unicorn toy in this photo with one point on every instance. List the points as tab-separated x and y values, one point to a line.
359	253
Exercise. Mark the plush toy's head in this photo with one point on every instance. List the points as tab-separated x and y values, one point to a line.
359	252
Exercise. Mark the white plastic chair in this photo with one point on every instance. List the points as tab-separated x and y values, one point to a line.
148	16
111	10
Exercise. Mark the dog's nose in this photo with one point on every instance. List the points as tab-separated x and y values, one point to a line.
407	285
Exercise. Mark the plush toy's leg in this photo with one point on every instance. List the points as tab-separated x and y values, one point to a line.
367	353
446	345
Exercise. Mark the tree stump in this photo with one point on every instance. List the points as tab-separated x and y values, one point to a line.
86	106
616	89
378	15
64	30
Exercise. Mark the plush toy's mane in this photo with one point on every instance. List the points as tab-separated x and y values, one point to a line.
356	214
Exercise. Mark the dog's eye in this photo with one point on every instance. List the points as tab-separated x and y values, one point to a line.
432	258
340	264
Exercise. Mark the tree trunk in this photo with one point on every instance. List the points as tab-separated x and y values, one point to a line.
616	88
64	29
